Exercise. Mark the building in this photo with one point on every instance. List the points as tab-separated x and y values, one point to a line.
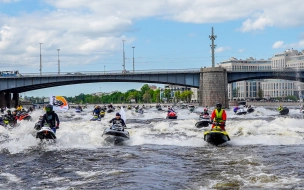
245	89
271	88
175	88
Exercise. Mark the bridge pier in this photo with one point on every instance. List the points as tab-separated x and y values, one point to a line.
2	100
8	99
15	100
213	87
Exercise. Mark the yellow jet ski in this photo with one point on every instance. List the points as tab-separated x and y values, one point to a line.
216	136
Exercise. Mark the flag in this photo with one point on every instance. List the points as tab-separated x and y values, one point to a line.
59	103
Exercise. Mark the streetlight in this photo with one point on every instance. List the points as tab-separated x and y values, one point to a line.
123	54
104	69
133	58
40	60
58	62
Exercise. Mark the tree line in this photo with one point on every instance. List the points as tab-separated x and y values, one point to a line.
144	95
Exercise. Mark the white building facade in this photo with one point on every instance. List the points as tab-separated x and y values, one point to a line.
242	90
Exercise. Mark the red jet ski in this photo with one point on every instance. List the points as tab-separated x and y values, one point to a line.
171	115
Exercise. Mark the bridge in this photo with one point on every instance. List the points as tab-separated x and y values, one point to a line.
212	82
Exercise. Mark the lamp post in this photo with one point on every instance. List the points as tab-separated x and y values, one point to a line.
58	62
133	58
40	60
104	69
123	55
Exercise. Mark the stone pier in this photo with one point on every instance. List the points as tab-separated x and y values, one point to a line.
2	100
8	99
15	101
213	87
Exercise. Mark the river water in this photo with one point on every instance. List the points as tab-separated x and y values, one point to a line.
265	152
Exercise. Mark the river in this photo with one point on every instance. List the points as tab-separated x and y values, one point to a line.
265	152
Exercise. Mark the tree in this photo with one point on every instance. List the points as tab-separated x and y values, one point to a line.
167	94
236	92
147	97
260	93
177	95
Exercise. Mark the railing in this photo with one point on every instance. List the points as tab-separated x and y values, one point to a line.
115	72
265	70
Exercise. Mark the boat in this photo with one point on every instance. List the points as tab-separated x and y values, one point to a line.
284	111
171	115
116	134
95	118
216	136
204	121
241	111
46	133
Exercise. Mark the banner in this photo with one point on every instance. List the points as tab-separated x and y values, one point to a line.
123	114
59	103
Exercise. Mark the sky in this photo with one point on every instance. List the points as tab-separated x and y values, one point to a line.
166	34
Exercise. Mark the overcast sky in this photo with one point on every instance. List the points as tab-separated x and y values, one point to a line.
167	34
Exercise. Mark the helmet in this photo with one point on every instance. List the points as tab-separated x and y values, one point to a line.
205	109
219	105
48	108
9	111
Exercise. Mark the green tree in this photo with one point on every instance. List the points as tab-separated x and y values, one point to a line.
260	93
177	95
147	97
167	94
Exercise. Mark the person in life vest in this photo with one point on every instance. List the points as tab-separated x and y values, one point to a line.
280	108
219	116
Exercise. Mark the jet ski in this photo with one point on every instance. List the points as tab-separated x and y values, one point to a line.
140	111
5	122
204	121
110	110
191	108
78	110
102	114
241	111
24	116
37	124
284	111
171	115
46	133
216	136
116	134
183	106
250	110
95	118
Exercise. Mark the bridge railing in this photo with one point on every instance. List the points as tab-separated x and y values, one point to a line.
114	72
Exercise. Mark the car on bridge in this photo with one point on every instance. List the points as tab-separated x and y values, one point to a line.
78	73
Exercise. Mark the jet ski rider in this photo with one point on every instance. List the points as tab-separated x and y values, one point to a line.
205	112
118	120
51	118
219	116
97	111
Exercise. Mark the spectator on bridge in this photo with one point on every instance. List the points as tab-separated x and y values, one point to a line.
219	116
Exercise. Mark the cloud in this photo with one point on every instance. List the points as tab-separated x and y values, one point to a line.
241	50
280	44
96	27
222	49
192	34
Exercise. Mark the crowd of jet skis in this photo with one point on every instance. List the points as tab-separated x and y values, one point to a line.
117	133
